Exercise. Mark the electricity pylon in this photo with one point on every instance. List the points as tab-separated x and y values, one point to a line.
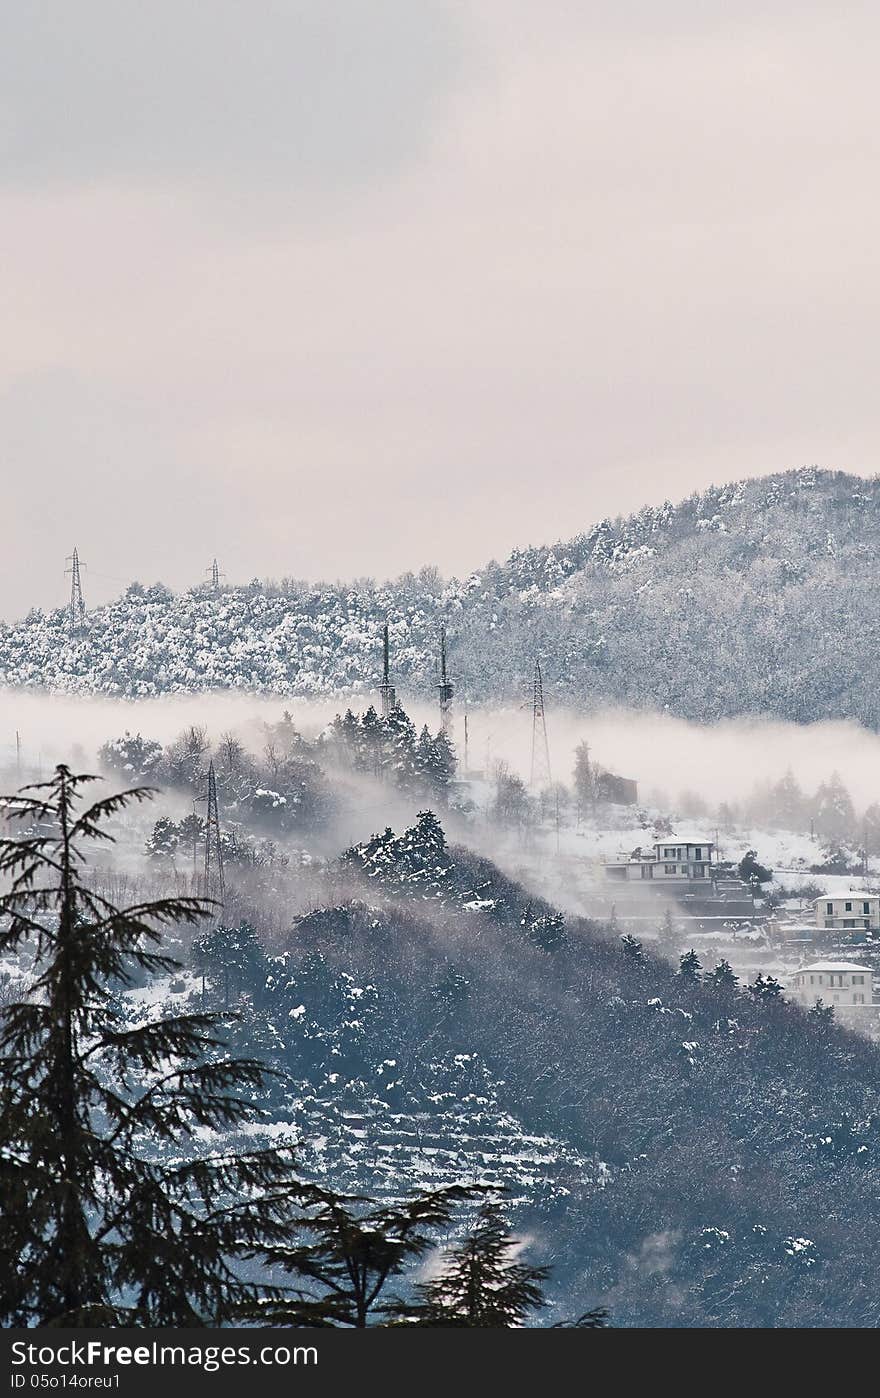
214	883
540	771
77	607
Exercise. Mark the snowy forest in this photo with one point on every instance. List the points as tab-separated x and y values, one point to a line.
350	1000
401	1037
748	598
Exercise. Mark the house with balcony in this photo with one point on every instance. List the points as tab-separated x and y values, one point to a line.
674	862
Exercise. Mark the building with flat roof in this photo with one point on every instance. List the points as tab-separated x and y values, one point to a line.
852	911
674	860
844	984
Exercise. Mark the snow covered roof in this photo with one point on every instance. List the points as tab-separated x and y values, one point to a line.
687	838
833	966
852	893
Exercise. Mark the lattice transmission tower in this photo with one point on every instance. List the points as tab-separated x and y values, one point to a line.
214	882
540	776
76	616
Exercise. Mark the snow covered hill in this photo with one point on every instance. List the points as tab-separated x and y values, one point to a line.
754	597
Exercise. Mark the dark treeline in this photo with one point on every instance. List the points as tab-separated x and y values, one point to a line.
289	788
109	1215
707	1123
682	1149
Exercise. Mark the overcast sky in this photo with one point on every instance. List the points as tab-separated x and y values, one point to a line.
331	288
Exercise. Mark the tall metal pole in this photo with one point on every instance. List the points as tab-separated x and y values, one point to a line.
540	767
445	689
386	688
214	881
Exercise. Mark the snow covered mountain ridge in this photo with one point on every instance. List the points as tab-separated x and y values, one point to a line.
751	597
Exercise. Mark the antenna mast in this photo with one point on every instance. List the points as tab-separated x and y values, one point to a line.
386	688
77	607
540	770
445	689
214	884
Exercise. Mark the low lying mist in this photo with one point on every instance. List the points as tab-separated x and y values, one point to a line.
665	755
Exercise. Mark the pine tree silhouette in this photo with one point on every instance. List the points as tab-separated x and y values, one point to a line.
104	1218
350	1250
481	1284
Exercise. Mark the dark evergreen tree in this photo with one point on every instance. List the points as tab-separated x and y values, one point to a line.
434	760
632	948
191	836
370	749
765	987
164	839
750	871
399	748
108	1216
445	764
511	806
135	758
481	1282
689	966
547	931
821	1013
230	959
723	976
345	736
350	1251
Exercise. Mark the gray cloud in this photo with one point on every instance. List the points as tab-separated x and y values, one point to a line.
332	289
220	91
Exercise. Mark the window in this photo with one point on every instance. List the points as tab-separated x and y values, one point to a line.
829	908
858	980
858	999
847	907
698	854
647	871
670	868
849	922
812	980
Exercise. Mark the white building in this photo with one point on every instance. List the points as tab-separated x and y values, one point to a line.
853	911
843	984
674	860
